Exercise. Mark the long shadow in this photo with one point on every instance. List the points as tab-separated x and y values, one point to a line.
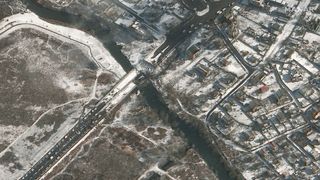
193	134
91	25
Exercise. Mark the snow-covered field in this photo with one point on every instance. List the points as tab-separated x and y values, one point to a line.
38	139
54	123
83	40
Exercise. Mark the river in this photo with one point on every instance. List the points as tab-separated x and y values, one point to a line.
92	25
151	95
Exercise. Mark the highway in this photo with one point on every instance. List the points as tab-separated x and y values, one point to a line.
123	89
178	34
104	106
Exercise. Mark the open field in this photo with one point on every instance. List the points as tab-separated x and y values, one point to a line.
46	82
33	82
136	144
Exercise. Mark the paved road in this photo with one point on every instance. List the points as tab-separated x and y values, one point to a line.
137	16
71	138
84	125
285	87
241	61
178	34
120	91
235	52
16	24
244	81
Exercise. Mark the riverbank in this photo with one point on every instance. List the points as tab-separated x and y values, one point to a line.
91	26
84	41
194	133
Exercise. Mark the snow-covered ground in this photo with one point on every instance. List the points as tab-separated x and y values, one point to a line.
304	62
203	12
243	47
30	146
139	50
9	133
239	116
86	42
311	37
249	40
61	3
270	82
234	67
287	30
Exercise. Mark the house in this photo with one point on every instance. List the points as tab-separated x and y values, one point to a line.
204	69
279	3
252	106
306	90
266	38
224	62
257	78
192	50
200	73
279	97
275	26
280	11
227	79
316	115
251	32
288	52
243	136
281	116
257	3
295	76
252	59
207	64
240	95
264	88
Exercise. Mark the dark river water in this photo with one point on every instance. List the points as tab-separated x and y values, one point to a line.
92	25
153	98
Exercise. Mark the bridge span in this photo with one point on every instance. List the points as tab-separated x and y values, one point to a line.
85	124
